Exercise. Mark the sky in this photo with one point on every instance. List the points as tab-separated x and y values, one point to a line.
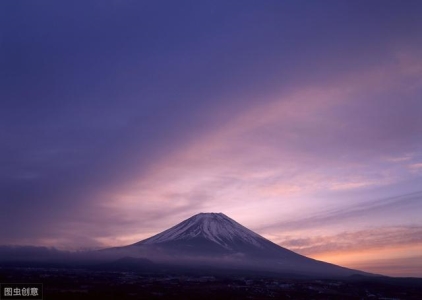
301	120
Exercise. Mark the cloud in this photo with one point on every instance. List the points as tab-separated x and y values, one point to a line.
352	241
401	267
116	128
389	250
416	168
296	144
372	210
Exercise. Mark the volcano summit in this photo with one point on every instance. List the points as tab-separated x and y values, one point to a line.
217	240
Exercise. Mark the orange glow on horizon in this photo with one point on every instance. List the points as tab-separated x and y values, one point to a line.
392	261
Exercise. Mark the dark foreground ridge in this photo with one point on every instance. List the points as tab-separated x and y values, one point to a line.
87	284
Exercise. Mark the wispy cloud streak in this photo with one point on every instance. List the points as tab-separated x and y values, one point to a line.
353	213
362	240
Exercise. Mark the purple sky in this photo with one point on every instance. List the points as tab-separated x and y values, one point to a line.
302	120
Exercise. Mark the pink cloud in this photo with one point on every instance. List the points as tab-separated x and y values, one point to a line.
289	145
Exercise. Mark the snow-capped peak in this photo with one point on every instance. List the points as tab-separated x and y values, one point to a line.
215	227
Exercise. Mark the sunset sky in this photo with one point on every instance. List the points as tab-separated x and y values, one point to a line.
301	120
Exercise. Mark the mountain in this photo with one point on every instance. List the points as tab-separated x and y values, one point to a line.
217	240
212	234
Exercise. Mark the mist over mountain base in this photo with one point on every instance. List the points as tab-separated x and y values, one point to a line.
178	283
